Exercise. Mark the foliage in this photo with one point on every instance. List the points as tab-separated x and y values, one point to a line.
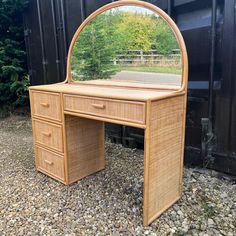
209	211
13	77
118	32
135	32
93	52
164	40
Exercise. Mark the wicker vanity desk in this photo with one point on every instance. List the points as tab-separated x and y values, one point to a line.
68	126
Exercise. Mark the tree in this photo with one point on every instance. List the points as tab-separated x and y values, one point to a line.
13	77
118	32
134	31
164	38
93	52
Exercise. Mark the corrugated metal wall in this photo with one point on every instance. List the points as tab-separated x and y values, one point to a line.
208	28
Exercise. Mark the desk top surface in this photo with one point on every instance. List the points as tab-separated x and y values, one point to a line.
106	92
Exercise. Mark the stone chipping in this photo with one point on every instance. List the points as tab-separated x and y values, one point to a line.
106	203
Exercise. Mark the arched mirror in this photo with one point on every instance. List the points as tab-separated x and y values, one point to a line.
127	43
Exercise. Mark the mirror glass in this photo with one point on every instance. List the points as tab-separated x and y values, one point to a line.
127	44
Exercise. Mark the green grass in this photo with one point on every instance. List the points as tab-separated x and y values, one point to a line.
169	70
209	211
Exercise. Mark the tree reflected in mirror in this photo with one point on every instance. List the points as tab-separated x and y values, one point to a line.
127	43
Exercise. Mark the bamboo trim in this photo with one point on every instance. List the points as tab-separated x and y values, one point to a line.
51	175
124	94
104	140
135	98
33	130
104	99
120	122
175	94
149	6
49	149
45	119
129	85
182	148
146	164
103	117
43	92
64	141
161	212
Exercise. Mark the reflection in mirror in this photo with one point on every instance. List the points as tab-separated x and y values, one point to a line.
127	43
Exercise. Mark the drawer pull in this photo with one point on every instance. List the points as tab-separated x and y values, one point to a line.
48	162
99	106
44	104
46	134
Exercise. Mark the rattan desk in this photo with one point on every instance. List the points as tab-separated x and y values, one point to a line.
68	126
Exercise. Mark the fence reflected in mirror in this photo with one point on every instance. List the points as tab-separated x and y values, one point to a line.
127	44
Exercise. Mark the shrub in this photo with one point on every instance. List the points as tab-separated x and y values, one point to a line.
13	70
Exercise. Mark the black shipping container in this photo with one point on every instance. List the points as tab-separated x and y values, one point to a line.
208	28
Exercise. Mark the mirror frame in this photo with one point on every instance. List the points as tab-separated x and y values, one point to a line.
139	3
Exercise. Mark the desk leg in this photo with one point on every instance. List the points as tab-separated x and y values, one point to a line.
163	161
85	147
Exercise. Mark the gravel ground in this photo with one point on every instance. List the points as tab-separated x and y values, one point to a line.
106	203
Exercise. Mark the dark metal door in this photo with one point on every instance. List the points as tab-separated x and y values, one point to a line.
208	28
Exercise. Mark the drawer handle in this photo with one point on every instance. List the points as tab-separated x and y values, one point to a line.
48	162
99	106
46	134
44	104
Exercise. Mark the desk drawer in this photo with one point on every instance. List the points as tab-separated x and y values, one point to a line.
46	105
51	163
48	134
114	109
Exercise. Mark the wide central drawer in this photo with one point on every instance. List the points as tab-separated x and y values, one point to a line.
113	109
48	134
